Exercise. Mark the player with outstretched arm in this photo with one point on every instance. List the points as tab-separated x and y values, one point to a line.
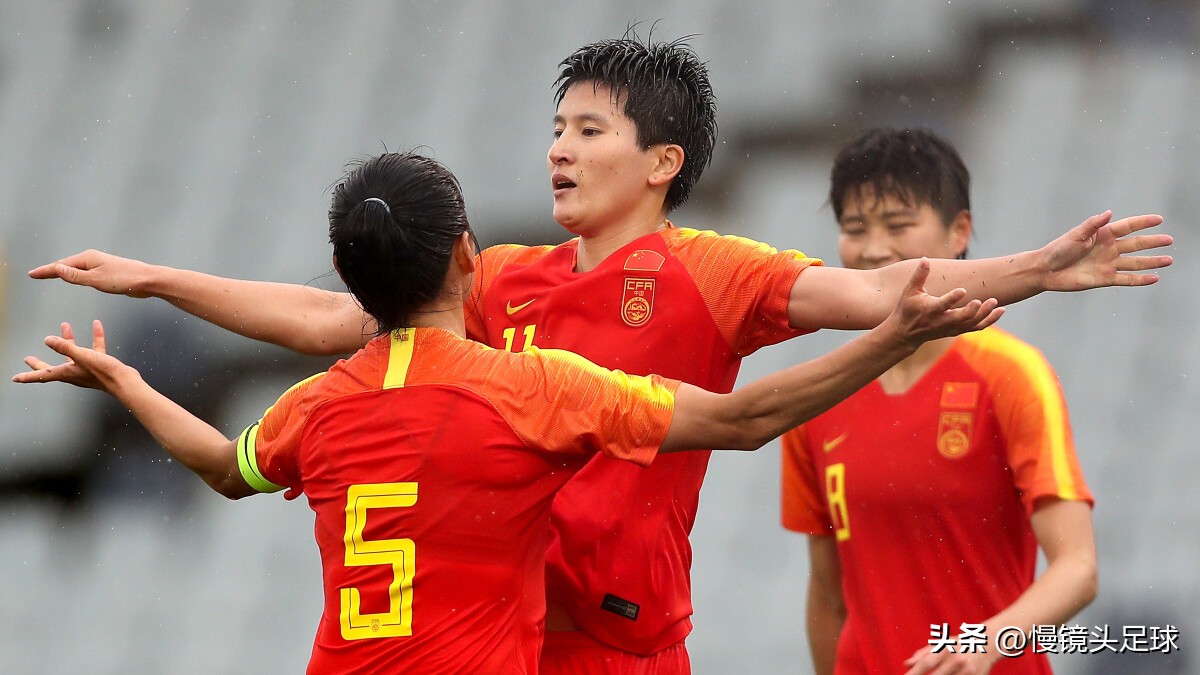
431	460
634	129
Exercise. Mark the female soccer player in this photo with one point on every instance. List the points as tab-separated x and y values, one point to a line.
927	493
634	129
431	460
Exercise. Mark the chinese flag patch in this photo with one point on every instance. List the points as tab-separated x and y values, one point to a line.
643	260
960	394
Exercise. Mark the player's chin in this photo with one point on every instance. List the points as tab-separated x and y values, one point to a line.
569	218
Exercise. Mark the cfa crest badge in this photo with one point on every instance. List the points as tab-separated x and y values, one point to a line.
954	434
637	303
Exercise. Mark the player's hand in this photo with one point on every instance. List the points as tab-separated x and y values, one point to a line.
946	662
99	270
89	368
1099	253
920	317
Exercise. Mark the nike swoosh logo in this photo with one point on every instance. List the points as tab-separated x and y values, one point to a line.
830	445
513	310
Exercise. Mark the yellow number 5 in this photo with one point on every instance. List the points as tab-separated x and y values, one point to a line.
399	553
835	492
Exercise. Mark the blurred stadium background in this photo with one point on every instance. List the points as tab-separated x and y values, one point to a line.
206	135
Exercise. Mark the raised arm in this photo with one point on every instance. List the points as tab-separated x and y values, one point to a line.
1094	254
301	318
186	438
762	410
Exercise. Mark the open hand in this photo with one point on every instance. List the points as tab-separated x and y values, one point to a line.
1098	253
920	317
89	368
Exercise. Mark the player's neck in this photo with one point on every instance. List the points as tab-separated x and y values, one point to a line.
594	248
446	314
902	376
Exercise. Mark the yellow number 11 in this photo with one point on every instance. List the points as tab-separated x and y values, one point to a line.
399	553
510	333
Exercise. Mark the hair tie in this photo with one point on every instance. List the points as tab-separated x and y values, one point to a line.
377	199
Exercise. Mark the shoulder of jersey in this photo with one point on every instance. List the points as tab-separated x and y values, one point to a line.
308	387
464	358
683	236
1007	352
517	252
684	242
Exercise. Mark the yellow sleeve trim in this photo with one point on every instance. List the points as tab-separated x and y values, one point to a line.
248	461
1046	390
642	386
1052	409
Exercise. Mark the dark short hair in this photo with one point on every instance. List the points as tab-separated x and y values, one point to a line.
393	223
914	165
666	94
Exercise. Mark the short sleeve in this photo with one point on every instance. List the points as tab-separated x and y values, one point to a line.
1032	414
803	507
268	450
565	403
745	284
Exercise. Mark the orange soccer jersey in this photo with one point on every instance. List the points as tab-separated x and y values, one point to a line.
929	495
431	462
680	303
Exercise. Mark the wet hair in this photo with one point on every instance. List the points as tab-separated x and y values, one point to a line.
915	166
666	93
393	223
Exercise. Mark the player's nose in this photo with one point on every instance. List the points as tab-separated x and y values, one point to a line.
877	247
559	151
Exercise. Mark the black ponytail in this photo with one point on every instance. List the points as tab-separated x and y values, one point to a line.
393	223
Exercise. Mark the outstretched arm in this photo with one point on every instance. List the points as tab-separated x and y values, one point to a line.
1095	254
186	438
1064	531
301	318
762	410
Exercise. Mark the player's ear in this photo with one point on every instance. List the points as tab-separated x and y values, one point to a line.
338	269
668	162
960	233
464	253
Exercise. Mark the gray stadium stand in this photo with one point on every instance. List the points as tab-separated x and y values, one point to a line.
206	135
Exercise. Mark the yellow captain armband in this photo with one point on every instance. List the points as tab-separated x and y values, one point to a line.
248	461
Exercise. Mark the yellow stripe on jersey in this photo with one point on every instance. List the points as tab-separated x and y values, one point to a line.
292	388
758	246
399	357
1045	385
248	461
643	387
1052	409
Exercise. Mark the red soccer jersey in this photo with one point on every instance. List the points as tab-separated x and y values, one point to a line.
929	494
431	462
680	303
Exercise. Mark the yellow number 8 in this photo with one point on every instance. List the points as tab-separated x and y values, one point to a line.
835	492
399	553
